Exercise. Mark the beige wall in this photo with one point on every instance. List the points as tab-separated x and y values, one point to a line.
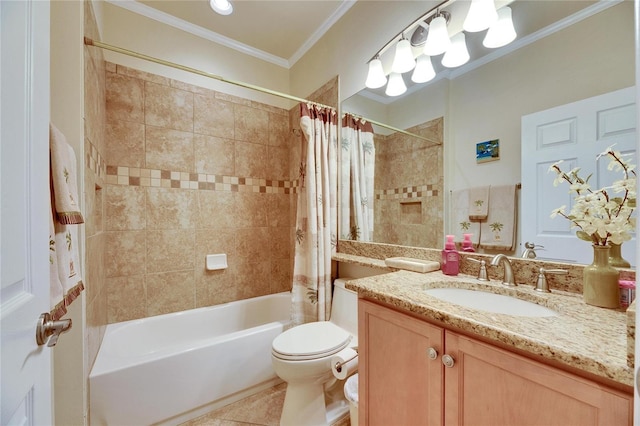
191	172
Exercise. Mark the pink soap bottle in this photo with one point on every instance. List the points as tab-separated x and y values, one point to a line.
450	257
467	244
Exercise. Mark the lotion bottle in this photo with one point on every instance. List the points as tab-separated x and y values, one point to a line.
450	257
467	244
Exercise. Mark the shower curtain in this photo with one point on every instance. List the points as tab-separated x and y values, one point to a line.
316	219
357	163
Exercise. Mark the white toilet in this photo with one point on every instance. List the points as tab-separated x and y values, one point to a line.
301	357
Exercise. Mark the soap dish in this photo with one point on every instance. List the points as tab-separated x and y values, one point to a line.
410	264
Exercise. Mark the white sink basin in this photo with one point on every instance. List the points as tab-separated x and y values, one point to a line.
491	302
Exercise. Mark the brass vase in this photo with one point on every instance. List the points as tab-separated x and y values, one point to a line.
615	257
600	280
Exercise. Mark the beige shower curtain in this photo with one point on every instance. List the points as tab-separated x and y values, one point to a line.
316	220
357	164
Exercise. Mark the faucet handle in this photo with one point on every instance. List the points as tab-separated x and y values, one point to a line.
541	283
482	272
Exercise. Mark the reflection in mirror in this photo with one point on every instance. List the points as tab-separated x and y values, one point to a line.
589	53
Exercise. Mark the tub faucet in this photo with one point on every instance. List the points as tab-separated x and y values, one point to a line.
508	271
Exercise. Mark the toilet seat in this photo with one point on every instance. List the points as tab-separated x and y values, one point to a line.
310	341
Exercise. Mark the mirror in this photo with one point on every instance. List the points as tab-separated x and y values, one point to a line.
565	51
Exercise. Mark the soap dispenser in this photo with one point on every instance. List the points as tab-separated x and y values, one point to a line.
450	257
467	244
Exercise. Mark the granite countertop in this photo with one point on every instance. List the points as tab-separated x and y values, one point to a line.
585	337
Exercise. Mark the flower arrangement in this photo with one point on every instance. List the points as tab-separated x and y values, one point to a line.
600	217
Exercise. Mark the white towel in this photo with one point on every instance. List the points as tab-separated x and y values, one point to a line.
460	217
57	305
63	175
478	203
498	232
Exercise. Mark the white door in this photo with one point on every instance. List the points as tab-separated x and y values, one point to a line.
575	133
25	369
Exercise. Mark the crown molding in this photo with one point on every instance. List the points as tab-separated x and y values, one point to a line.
165	18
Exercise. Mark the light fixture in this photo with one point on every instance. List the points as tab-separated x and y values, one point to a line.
396	86
458	54
375	77
223	7
438	38
403	60
501	32
423	71
482	13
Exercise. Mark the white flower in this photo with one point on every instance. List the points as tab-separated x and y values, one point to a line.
600	217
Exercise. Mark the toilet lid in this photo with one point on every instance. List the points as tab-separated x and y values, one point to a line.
310	341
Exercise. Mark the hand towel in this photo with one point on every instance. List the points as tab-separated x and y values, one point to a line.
460	217
498	232
63	173
478	203
56	293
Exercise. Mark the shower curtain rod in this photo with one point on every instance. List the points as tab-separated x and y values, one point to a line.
91	42
395	129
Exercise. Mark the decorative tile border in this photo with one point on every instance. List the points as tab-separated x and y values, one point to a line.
406	192
155	178
95	161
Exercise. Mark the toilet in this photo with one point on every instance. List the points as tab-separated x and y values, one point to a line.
301	357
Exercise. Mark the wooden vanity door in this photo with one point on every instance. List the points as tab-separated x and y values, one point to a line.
490	386
399	384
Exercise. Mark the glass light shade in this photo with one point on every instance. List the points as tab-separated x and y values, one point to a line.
375	77
403	60
223	7
423	71
396	86
482	13
501	32
438	38
458	54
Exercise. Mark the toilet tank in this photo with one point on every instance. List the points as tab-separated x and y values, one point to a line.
344	307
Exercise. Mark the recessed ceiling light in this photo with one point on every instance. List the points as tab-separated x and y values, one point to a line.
223	7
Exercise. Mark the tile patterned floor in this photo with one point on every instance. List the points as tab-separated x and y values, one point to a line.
261	409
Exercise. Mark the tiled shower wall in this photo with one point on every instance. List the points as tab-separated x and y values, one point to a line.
191	172
408	185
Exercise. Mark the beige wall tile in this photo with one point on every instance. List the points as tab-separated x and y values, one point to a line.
253	278
171	209
125	208
280	244
251	125
170	250
279	129
124	98
168	149
127	298
214	287
217	209
94	271
281	273
278	209
213	117
170	292
125	143
253	243
168	107
214	155
250	160
277	163
251	210
125	253
142	75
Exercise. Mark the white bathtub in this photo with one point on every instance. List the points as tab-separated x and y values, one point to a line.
170	368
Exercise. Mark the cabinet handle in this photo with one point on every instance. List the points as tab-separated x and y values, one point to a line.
433	353
448	360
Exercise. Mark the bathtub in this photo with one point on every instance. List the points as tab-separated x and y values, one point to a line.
170	368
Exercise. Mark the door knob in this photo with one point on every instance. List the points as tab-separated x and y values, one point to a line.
48	331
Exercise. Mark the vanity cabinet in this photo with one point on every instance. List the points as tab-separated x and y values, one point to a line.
404	380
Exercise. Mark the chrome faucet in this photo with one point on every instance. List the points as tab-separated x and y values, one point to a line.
508	271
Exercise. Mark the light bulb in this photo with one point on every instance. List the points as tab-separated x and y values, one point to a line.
482	13
438	38
403	60
423	71
501	32
396	86
223	7
458	54
375	77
